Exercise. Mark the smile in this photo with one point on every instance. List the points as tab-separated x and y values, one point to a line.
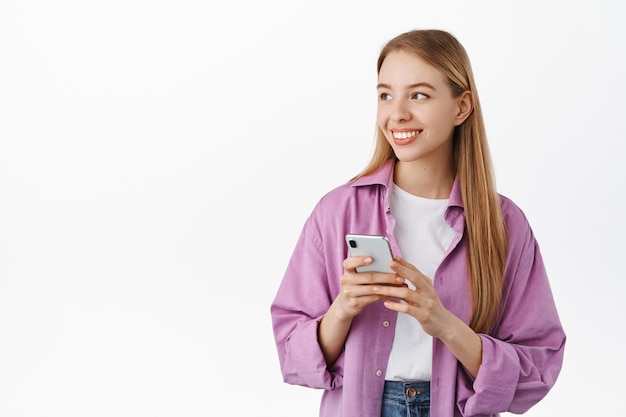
406	137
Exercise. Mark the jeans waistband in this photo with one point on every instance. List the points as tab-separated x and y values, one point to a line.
407	391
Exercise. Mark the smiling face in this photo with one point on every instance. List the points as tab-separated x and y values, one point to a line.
416	110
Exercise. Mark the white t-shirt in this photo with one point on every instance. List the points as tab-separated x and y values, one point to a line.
423	237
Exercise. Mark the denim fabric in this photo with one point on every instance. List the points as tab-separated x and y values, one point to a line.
406	399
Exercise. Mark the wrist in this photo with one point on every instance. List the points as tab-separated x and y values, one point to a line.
455	331
338	315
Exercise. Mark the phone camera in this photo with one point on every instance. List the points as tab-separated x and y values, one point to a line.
352	243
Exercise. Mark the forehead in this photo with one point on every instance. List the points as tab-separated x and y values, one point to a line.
406	68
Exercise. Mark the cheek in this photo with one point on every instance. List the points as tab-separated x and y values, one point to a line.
381	118
438	119
447	116
382	127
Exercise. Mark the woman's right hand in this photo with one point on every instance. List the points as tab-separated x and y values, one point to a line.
357	287
357	292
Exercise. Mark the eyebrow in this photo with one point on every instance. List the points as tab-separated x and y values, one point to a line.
409	87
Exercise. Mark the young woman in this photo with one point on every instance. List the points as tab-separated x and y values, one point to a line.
467	325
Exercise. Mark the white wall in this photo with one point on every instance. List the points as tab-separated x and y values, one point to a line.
158	158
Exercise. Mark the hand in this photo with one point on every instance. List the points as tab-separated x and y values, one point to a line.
357	288
357	291
423	303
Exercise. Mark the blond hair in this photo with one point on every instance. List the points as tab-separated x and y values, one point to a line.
483	216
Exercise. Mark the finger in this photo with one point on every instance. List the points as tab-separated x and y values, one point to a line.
402	263
370	277
399	307
398	292
410	272
354	292
364	280
351	263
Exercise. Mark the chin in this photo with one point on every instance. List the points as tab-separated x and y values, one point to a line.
407	156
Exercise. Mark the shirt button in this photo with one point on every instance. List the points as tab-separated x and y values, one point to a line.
379	373
386	323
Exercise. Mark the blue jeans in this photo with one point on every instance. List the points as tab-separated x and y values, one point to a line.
406	399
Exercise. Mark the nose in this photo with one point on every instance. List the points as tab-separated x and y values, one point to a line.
400	111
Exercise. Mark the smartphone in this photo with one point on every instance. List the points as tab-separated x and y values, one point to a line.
375	246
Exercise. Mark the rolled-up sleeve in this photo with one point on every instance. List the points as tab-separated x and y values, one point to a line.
302	299
522	357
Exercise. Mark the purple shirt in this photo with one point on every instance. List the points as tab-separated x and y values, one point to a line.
521	357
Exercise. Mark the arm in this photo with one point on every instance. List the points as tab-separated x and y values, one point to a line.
464	344
522	357
517	364
332	333
296	314
311	327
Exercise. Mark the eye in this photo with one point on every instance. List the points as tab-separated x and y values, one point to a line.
419	96
384	96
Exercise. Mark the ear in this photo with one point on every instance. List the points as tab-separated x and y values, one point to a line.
466	105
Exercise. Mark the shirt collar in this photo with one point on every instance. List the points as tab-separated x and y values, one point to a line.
456	199
384	176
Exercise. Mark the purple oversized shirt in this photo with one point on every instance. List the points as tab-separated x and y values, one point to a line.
521	357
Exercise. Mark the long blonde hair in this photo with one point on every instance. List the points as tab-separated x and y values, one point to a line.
483	216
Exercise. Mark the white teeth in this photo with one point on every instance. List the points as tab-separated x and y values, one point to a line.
404	135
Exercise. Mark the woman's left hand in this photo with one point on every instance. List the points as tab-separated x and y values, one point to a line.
423	303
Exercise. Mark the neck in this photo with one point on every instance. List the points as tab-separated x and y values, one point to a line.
424	180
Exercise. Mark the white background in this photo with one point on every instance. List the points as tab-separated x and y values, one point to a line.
158	159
